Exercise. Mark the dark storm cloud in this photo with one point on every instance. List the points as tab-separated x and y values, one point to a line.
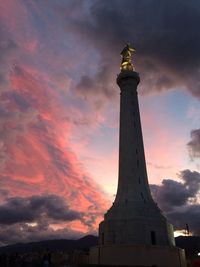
22	232
187	215
194	144
30	219
170	193
178	200
173	194
191	181
165	34
18	210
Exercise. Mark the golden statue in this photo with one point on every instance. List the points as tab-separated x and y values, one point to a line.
126	54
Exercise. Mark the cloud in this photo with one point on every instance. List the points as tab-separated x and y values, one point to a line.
187	215
35	208
179	200
3	193
41	217
170	194
167	44
36	156
9	51
13	124
98	85
23	232
194	144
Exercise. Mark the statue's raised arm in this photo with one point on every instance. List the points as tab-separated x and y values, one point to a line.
126	54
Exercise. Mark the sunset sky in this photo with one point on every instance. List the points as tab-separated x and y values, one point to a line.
59	112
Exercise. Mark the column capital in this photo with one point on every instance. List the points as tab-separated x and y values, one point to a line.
126	76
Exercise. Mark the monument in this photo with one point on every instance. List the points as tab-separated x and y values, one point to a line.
134	231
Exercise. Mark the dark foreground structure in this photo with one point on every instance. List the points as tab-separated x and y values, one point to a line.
66	253
134	231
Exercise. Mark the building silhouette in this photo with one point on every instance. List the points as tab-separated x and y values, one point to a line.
134	231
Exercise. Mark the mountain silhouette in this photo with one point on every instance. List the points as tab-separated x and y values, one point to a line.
83	243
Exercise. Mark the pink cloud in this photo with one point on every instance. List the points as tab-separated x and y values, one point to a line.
39	158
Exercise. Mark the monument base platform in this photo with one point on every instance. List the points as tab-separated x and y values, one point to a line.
138	255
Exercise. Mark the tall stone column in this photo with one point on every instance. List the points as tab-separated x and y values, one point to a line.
134	218
134	231
132	183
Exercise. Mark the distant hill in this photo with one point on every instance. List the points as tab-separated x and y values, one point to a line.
63	244
191	244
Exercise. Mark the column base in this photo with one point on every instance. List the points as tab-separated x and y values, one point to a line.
137	255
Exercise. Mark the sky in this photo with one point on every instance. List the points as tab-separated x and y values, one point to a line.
59	112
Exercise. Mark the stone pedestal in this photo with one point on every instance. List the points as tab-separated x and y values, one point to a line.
138	256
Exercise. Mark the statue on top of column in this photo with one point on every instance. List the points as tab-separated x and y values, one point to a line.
126	54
